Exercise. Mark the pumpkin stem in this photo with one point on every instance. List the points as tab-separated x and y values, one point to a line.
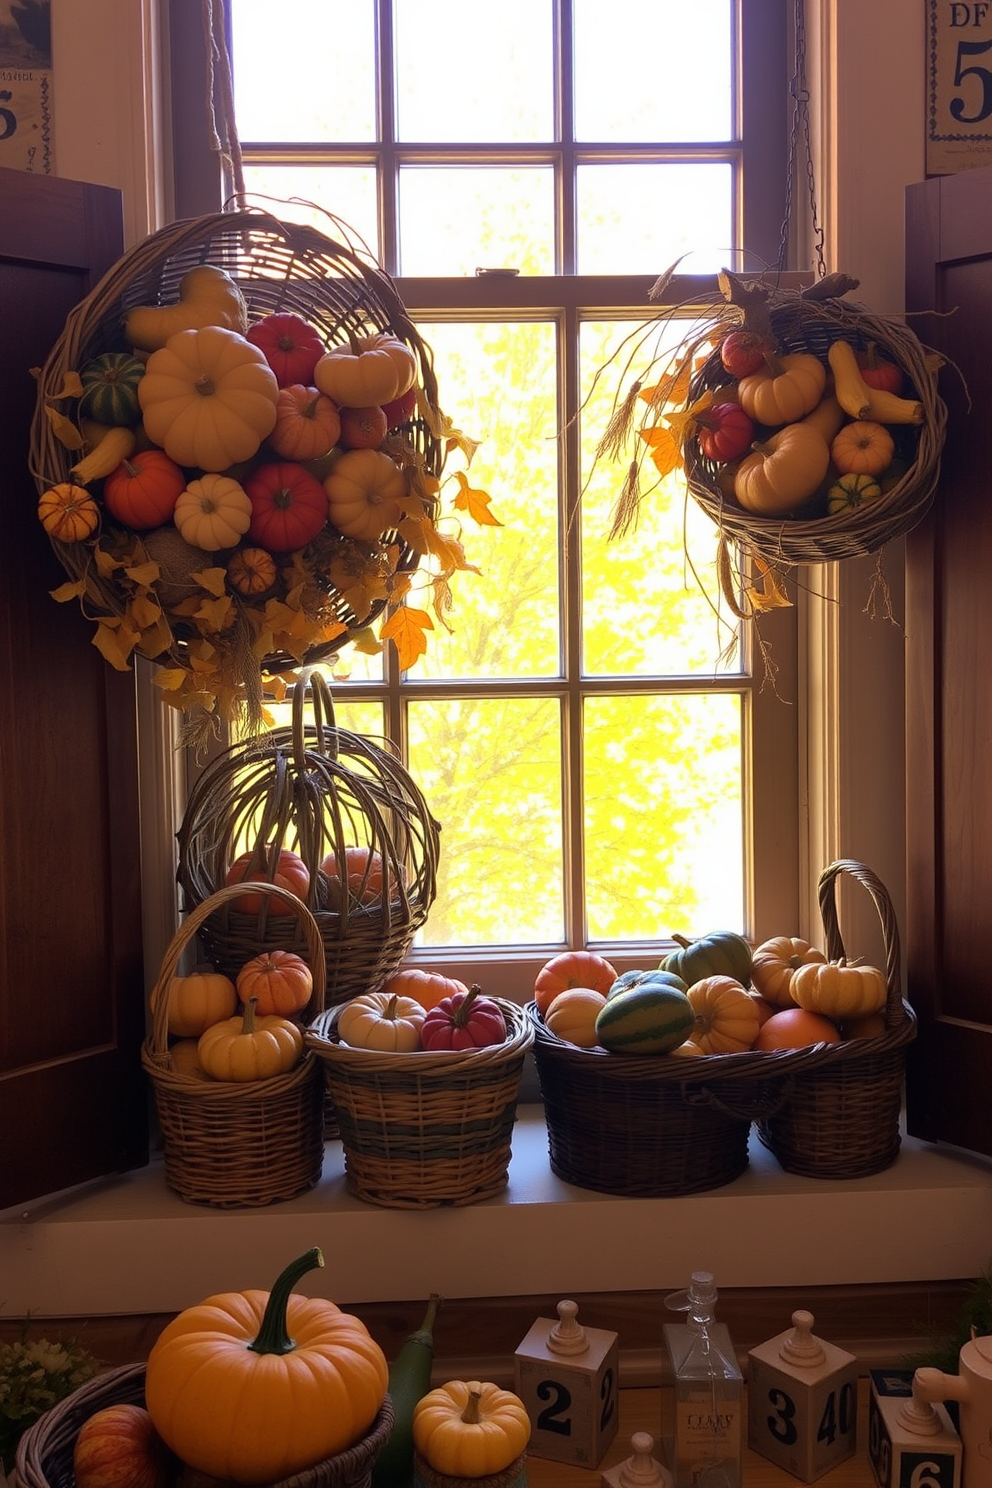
681	940
248	1020
389	1012
460	1016
272	1336
774	365
470	1415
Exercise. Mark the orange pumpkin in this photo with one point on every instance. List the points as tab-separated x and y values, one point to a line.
774	962
862	447
794	1028
68	512
783	471
307	423
197	1001
429	988
142	492
280	980
785	390
572	969
363	873
252	571
291	873
370	370
364	490
572	1016
727	1020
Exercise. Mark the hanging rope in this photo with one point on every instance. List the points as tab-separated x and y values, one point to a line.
801	129
220	96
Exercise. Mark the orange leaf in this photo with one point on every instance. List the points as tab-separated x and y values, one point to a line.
664	451
476	503
405	628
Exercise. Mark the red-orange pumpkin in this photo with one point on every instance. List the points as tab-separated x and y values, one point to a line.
288	507
291	873
572	969
429	988
119	1447
280	981
363	871
363	428
307	424
142	492
291	347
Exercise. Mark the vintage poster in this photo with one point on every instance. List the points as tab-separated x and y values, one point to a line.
26	86
959	85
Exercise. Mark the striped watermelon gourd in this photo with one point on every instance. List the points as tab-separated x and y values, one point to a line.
648	1019
110	388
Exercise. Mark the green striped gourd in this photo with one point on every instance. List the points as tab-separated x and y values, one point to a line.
110	388
649	1019
721	953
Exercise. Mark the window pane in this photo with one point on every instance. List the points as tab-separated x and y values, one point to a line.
473	73
497	383
649	70
454	220
663	816
304	70
645	610
308	193
638	219
491	773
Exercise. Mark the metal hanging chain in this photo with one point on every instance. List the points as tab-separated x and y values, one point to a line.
801	126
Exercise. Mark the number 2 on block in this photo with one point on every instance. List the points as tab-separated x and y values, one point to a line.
555	1416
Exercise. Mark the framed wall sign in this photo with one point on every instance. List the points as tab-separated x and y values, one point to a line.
959	85
26	86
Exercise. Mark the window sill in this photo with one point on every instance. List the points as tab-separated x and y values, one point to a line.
128	1245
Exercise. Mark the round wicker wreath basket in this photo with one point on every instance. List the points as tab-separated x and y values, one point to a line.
279	267
807	322
320	791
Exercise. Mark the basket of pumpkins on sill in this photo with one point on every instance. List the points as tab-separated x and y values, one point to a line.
423	1076
238	1094
248	1387
652	1080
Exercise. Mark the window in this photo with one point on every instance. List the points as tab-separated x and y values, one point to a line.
607	770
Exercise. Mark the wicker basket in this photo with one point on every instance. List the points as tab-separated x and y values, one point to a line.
804	323
316	789
279	267
238	1145
647	1126
44	1456
424	1129
840	1118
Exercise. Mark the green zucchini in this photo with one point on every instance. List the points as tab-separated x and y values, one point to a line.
409	1382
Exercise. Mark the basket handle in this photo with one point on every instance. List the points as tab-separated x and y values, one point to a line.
196	917
826	892
313	684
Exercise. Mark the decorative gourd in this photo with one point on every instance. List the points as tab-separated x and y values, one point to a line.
839	989
775	961
213	513
207	297
288	506
142	492
720	953
68	513
572	969
795	1028
878	371
280	982
727	1019
208	398
470	1428
107	447
251	572
725	432
257	1386
289	344
382	1021
656	978
864	402
363	428
371	369
291	873
461	1022
744	352
110	388
862	448
426	987
308	424
250	1047
572	1016
119	1445
197	1001
649	1019
786	389
364	491
852	491
362	870
827	418
783	471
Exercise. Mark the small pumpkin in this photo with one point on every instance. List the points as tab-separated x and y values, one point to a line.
110	388
142	492
291	346
720	953
208	296
291	873
572	1016
373	369
382	1021
851	491
727	1020
774	963
68	512
785	389
208	398
862	447
257	1386
250	1047
363	494
426	987
744	352
461	1022
783	471
577	968
363	428
280	982
197	1001
724	432
252	572
119	1445
308	423
213	512
288	507
470	1428
840	990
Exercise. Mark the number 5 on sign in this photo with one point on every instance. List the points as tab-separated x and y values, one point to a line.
959	85
566	1375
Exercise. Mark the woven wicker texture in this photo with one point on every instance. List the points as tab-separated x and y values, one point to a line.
44	1456
424	1129
279	267
238	1144
316	789
425	1476
804	324
840	1118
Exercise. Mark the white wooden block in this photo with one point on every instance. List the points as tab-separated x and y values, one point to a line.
802	1401
910	1442
567	1377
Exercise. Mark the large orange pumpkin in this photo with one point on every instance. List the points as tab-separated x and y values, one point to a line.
291	873
429	988
572	969
280	980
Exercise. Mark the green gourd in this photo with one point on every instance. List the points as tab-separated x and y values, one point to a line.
648	1019
110	388
628	980
721	953
409	1382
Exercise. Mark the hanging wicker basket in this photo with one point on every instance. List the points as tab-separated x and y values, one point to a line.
324	793
279	267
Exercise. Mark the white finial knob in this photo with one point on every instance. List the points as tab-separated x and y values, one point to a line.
568	1335
641	1470
917	1414
801	1347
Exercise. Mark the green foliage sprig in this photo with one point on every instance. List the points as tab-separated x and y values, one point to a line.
36	1374
973	1317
